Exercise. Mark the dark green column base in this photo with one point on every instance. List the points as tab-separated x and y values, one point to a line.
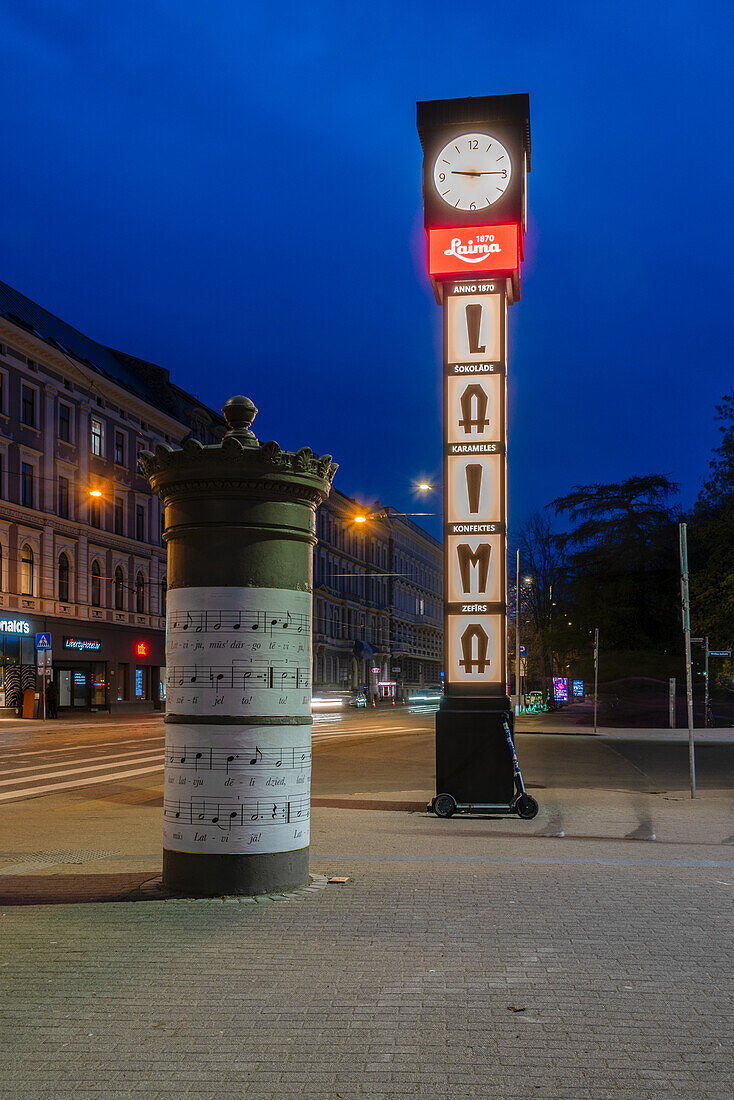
203	876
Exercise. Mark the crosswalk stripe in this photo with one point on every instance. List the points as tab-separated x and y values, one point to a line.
78	771
120	758
7	796
75	746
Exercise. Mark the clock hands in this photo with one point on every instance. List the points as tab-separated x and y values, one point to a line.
458	172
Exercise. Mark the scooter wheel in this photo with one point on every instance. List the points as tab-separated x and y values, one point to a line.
526	806
444	805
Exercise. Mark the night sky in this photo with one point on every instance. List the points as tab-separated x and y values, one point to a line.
232	190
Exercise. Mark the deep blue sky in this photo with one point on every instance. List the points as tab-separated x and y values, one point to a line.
232	190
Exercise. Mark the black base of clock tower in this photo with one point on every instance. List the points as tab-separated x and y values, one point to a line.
473	760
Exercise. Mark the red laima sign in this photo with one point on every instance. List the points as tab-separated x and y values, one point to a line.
475	248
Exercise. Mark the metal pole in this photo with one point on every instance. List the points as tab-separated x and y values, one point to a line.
43	682
685	601
706	684
596	673
517	632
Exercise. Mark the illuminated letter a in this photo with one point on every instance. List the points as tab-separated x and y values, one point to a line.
480	421
471	662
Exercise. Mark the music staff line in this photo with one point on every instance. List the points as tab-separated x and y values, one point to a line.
230	815
228	622
181	757
241	673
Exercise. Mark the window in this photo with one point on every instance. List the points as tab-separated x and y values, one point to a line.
96	586
3	390
119	449
119	590
140	594
28	405
95	512
97	437
64	422
140	522
26	571
64	578
2	471
164	596
139	446
26	484
119	516
64	497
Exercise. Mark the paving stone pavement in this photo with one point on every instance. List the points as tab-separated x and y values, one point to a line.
442	979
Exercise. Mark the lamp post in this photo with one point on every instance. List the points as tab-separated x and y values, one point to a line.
686	611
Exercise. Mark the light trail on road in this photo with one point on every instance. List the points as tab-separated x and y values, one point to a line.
68	766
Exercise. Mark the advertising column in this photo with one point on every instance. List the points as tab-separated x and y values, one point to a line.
240	528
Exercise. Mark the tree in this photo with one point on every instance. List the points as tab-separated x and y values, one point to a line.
623	574
542	564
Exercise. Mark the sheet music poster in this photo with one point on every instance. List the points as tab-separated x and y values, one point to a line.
233	788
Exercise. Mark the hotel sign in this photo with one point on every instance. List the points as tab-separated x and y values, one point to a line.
83	645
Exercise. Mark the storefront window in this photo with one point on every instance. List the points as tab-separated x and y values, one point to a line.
99	684
123	672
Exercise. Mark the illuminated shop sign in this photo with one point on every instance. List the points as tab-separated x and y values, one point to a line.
560	689
15	626
80	644
142	649
578	689
464	250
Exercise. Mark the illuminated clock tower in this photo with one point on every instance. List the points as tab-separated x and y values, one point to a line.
476	160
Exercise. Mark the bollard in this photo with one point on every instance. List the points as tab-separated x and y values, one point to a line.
240	530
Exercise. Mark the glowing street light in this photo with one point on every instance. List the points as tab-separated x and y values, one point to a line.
95	493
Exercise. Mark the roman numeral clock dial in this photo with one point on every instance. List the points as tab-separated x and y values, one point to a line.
472	171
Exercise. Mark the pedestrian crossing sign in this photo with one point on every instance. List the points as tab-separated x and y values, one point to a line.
43	641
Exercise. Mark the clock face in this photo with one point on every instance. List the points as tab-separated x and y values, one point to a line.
472	171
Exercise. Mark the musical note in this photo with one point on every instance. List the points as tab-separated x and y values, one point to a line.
228	761
227	815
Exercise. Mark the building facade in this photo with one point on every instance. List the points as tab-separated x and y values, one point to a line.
82	556
378	610
81	550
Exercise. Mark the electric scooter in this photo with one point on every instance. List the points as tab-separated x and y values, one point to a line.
523	804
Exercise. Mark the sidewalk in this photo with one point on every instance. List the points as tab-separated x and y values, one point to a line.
463	958
587	953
